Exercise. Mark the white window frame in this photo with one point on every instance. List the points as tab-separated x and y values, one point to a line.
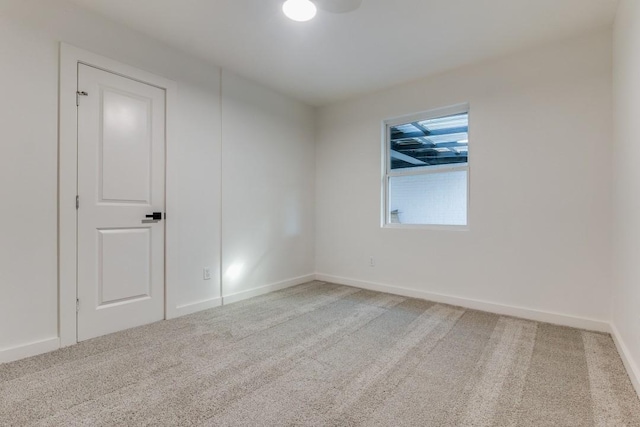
388	173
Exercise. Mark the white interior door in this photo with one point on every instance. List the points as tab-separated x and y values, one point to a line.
121	168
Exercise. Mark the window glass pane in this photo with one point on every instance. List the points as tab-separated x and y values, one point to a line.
432	142
434	198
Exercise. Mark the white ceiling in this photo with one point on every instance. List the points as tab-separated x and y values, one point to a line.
336	56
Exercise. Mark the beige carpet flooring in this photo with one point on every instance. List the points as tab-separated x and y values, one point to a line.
321	354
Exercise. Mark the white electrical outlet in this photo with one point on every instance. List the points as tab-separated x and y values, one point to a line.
206	273
372	262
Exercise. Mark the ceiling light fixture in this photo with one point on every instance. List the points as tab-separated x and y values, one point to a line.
299	10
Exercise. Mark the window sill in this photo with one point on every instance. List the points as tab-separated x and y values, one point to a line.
432	227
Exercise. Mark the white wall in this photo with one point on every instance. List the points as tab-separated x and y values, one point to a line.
30	32
28	199
626	185
268	189
539	213
194	198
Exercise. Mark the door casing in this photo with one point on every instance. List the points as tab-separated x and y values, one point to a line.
70	57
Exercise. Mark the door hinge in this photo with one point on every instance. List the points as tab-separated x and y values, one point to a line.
78	95
77	305
77	202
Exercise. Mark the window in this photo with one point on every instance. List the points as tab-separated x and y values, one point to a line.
427	168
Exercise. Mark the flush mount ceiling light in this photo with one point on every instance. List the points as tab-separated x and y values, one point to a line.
305	10
299	10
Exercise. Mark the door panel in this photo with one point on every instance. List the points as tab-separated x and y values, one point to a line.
124	275
125	147
121	148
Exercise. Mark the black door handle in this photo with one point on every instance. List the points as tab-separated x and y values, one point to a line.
156	216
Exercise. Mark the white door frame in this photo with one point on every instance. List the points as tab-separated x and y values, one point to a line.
70	57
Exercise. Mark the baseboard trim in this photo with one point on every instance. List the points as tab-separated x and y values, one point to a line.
183	310
28	350
239	296
507	310
632	368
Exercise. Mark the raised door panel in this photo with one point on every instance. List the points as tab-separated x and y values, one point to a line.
124	276
125	147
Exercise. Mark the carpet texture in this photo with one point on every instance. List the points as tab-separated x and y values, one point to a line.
321	354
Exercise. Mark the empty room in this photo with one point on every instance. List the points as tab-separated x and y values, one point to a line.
320	213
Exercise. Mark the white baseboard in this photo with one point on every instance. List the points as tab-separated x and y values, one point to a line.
28	350
632	368
183	310
507	310
239	296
